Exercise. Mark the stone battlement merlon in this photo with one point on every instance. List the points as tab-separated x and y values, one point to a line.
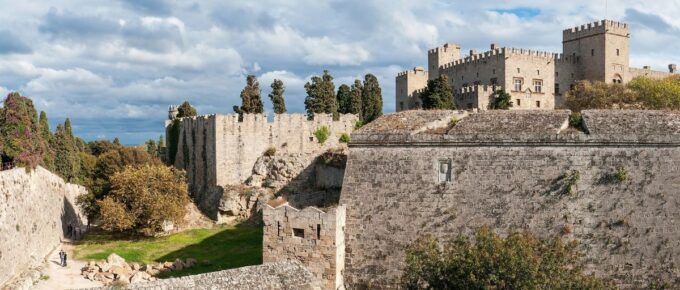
415	71
595	28
443	48
477	88
475	58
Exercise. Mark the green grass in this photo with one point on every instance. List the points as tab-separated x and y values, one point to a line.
220	248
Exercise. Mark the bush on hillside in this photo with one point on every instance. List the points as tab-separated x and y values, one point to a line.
144	198
640	93
519	261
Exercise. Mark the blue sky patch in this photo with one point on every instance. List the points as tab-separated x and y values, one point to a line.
521	12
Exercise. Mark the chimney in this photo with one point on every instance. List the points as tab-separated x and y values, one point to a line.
494	46
646	67
672	68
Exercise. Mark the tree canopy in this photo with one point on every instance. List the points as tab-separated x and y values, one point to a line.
344	99
371	99
640	93
518	261
438	94
186	110
276	96
21	137
355	105
251	101
501	101
320	95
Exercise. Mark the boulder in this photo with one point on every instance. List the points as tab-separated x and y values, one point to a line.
178	264
135	266
140	277
116	260
90	275
124	279
120	271
169	265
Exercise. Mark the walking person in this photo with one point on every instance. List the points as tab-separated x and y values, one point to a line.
65	256
62	258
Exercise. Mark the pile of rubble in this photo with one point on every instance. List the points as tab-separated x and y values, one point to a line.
115	270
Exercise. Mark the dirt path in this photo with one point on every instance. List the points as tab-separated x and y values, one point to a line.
64	277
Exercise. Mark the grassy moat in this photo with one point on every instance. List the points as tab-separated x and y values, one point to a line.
220	248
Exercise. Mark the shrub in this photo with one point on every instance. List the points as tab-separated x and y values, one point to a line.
576	121
501	101
344	138
621	174
519	261
322	134
268	183
358	124
570	181
271	151
144	198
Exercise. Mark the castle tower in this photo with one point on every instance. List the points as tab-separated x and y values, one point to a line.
598	51
436	57
408	83
172	112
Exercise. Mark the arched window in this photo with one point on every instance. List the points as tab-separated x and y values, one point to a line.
617	79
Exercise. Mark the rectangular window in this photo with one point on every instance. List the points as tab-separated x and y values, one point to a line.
617	52
444	170
518	84
557	89
300	233
518	71
538	104
494	81
538	72
318	231
278	228
592	52
519	103
401	105
494	71
538	86
557	74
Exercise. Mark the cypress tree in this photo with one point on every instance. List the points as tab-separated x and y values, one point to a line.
276	96
67	162
438	94
320	95
371	99
344	99
21	139
355	98
251	102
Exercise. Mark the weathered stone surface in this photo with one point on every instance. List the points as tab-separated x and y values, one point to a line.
311	235
115	260
140	277
627	228
280	275
36	209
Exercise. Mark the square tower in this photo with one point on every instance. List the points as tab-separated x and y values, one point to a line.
407	85
436	57
598	51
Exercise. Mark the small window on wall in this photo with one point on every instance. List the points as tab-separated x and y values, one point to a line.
518	84
300	233
444	170
617	52
538	104
538	86
557	89
592	52
519	103
401	105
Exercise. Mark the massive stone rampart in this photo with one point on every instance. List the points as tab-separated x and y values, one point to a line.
36	210
614	188
220	150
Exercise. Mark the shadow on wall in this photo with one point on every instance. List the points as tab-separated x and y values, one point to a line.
71	224
319	185
231	248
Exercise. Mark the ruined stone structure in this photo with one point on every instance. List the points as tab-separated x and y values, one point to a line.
219	150
285	275
37	210
313	236
613	186
535	79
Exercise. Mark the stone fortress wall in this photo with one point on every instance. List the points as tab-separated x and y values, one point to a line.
596	51
36	210
311	235
219	150
512	170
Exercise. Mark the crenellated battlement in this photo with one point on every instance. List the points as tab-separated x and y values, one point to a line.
477	89
415	71
595	28
475	58
443	48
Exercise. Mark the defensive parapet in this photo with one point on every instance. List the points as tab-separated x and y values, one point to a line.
311	235
595	28
416	71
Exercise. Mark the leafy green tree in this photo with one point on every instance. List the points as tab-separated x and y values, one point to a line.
520	261
501	101
251	102
656	94
186	110
371	99
438	94
276	96
99	147
21	138
144	199
599	95
151	147
66	161
355	106
344	99
321	96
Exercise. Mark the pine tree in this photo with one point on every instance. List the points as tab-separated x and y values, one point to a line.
320	96
355	101
438	94
344	99
251	102
276	96
371	99
45	127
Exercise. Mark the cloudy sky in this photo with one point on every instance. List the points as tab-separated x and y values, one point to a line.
115	66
